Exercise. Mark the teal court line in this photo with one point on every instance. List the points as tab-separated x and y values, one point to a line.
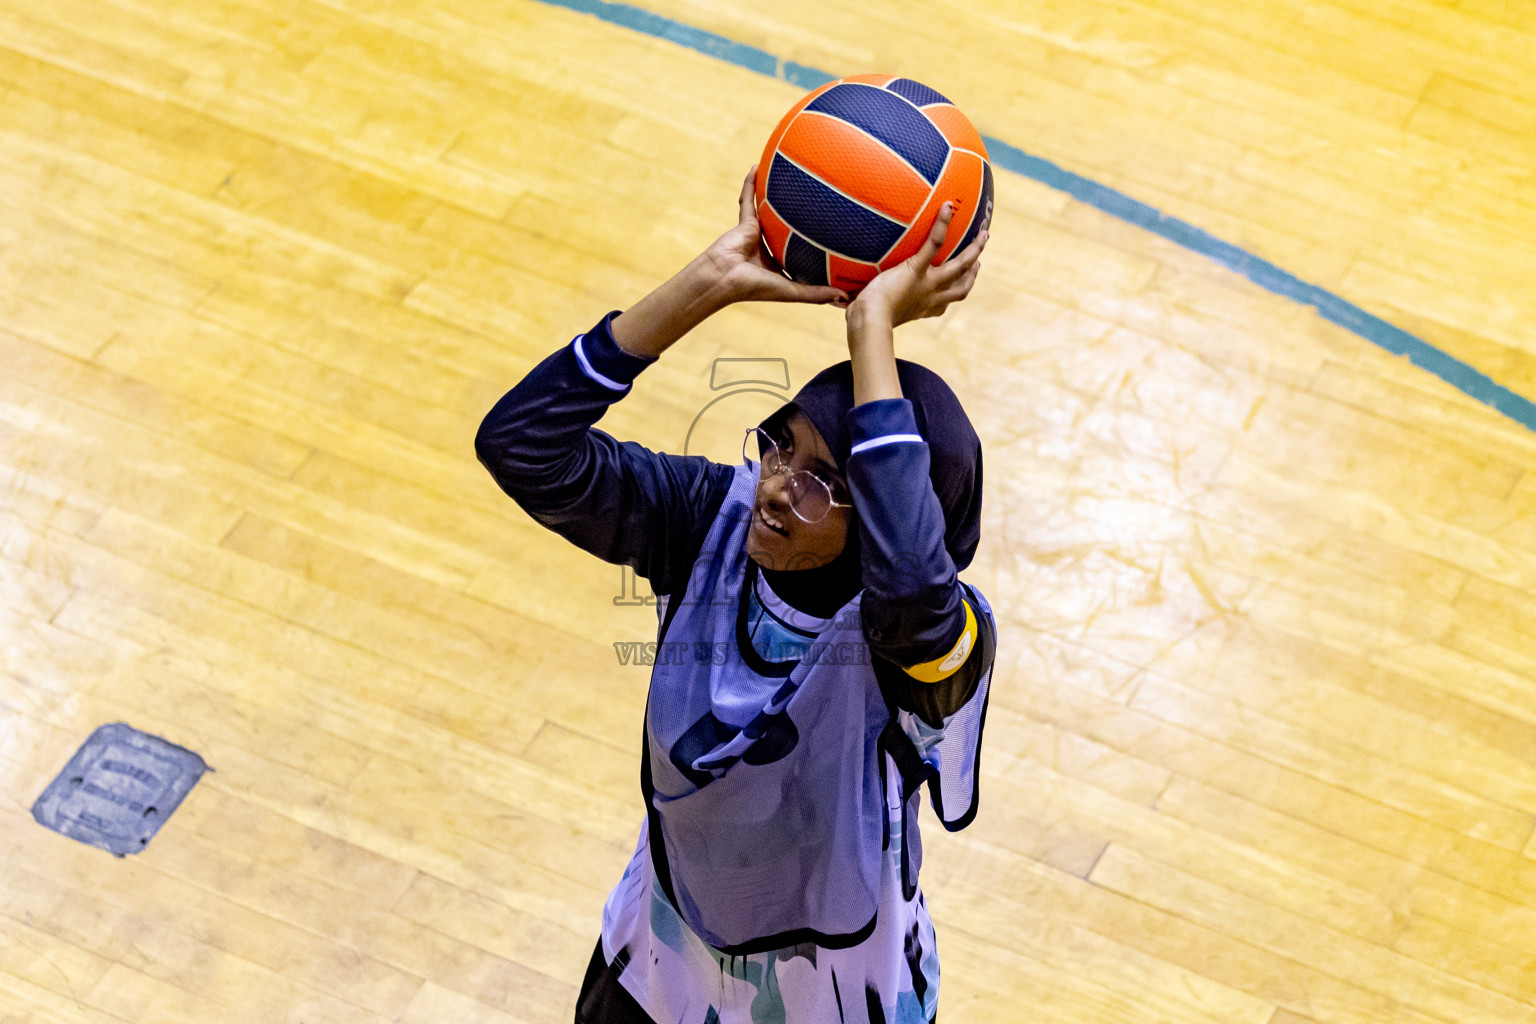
1260	271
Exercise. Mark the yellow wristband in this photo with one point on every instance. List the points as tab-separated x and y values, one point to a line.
942	668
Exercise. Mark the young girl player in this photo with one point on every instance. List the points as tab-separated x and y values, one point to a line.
818	658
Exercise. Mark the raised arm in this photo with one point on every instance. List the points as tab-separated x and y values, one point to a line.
616	500
934	638
619	500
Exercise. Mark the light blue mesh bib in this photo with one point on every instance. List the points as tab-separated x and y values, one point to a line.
764	781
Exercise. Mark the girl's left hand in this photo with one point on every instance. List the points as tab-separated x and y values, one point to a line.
915	288
747	272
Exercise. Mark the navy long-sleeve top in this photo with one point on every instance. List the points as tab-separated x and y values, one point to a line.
652	511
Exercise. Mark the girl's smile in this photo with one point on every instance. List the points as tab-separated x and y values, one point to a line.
770	524
778	538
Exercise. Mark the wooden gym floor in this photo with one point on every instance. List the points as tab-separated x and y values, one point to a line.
1262	742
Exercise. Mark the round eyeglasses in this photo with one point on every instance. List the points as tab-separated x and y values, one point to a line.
810	497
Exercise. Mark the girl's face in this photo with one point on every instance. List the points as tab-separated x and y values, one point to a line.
793	543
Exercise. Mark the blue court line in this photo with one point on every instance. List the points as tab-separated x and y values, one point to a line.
1260	271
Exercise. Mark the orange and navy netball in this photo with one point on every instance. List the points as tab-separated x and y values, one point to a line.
853	177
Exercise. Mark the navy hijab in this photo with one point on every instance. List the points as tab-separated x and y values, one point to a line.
954	467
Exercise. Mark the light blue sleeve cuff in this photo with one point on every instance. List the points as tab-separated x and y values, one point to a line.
881	422
602	360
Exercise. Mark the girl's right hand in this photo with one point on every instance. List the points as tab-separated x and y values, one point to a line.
748	273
